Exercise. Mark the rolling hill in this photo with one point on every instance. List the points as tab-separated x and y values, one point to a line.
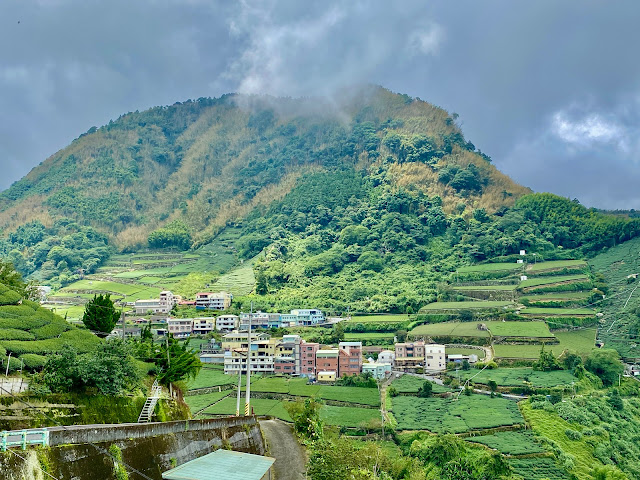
366	201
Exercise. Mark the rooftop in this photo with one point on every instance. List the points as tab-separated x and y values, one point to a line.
222	464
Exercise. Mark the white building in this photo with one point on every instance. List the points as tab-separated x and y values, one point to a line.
434	357
386	357
164	304
204	325
227	323
213	301
308	316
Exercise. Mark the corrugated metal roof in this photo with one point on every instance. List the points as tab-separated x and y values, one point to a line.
222	464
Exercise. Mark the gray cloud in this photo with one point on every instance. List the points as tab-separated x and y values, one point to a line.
548	89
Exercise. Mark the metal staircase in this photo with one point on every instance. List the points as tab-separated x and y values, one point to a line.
150	404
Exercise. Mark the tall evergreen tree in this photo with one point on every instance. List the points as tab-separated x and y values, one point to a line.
100	315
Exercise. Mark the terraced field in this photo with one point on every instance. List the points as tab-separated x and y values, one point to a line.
467	413
551	280
558	312
578	341
453	329
519	329
510	443
517	377
490	267
556	265
379	319
488	288
443	306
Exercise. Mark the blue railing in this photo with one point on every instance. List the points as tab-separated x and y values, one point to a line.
22	438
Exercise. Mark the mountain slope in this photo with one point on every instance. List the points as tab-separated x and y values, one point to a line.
369	200
209	161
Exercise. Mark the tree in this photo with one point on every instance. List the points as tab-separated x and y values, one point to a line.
175	362
605	364
306	418
100	315
493	386
11	278
108	367
425	390
547	361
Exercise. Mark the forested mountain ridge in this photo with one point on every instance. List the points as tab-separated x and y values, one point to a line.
208	161
368	200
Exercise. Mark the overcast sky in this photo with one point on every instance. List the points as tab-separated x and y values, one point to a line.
550	90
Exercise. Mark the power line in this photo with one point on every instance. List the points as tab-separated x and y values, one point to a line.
37	466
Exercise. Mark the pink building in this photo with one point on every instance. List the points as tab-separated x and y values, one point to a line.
349	358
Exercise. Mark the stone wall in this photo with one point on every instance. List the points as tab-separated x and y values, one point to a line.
79	452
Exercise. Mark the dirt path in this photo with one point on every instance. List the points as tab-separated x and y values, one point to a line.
284	447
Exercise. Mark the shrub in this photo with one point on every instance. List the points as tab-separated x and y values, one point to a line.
573	434
33	361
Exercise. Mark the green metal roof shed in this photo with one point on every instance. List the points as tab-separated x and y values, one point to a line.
223	465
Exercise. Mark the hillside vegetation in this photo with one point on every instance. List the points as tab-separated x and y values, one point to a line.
366	203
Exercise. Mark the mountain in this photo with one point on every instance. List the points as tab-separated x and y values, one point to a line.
368	198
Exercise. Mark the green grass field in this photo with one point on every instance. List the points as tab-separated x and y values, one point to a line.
550	297
517	377
578	341
485	288
198	402
379	318
553	427
261	406
519	329
299	387
510	443
238	281
439	415
350	416
372	335
211	377
132	291
411	384
552	312
541	468
465	305
490	267
555	265
538	281
455	329
465	351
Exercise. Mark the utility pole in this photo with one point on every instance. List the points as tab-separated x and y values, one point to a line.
239	387
247	406
6	374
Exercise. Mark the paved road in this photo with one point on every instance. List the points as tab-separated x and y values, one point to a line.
284	447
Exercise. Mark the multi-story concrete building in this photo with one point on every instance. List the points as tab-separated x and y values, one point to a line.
180	327
227	323
296	318
308	358
308	317
213	301
203	325
379	371
262	355
260	320
350	358
413	355
327	360
434	358
387	357
164	304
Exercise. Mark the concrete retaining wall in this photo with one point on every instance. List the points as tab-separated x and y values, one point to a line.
150	448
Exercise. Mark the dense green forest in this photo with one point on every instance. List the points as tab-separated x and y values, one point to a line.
367	205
